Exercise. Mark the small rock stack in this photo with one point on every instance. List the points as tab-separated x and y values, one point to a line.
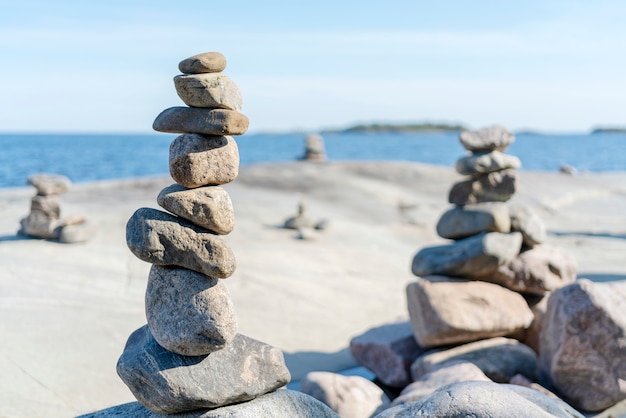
44	219
314	149
189	356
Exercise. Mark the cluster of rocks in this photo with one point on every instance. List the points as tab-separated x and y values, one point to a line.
498	324
189	356
44	219
304	224
314	149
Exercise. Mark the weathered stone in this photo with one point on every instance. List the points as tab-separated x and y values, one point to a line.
76	232
449	372
47	184
487	162
201	121
483	400
583	344
189	313
538	306
498	186
388	351
489	138
499	358
348	396
212	90
526	221
207	62
279	404
314	148
208	207
168	383
38	224
465	221
160	238
521	380
474	257
47	204
446	311
202	160
538	270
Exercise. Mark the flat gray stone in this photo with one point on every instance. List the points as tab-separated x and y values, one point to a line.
538	270
279	404
489	138
207	62
168	383
583	344
201	121
526	221
465	221
474	257
189	313
76	232
388	351
498	186
160	238
49	184
498	358
209	90
447	311
209	207
486	162
483	400
348	396
203	160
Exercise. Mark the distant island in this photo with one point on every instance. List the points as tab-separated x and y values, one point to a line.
388	127
609	130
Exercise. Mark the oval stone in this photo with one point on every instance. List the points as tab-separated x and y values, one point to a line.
201	121
212	90
207	62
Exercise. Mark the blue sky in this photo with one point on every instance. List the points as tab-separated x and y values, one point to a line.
79	66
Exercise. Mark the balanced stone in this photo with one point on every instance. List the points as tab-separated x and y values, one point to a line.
49	184
487	162
204	303
207	62
203	160
465	221
201	121
314	148
48	204
168	383
71	233
208	207
498	186
474	257
160	238
39	224
446	311
526	221
490	138
210	90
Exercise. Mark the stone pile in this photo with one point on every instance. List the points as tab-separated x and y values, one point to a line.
189	356
44	219
493	310
314	149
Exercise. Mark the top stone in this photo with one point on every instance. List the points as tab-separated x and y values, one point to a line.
49	184
208	62
490	138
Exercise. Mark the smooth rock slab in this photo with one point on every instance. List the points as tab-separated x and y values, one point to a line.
498	186
201	121
169	383
388	351
208	207
486	162
464	221
279	404
203	160
498	358
447	311
160	238
207	62
483	400
212	90
538	270
474	257
489	138
526	221
583	344
49	184
189	313
348	396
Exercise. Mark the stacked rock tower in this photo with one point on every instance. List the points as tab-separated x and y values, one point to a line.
189	356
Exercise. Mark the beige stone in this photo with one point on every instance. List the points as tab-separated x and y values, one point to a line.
209	90
207	62
486	162
464	221
201	121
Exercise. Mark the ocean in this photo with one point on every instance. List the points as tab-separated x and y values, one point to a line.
85	158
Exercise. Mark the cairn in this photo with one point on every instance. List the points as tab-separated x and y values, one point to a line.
189	356
44	220
314	149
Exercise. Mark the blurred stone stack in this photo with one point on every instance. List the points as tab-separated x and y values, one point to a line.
314	149
189	356
44	219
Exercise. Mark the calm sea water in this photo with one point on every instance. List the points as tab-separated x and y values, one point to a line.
96	157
